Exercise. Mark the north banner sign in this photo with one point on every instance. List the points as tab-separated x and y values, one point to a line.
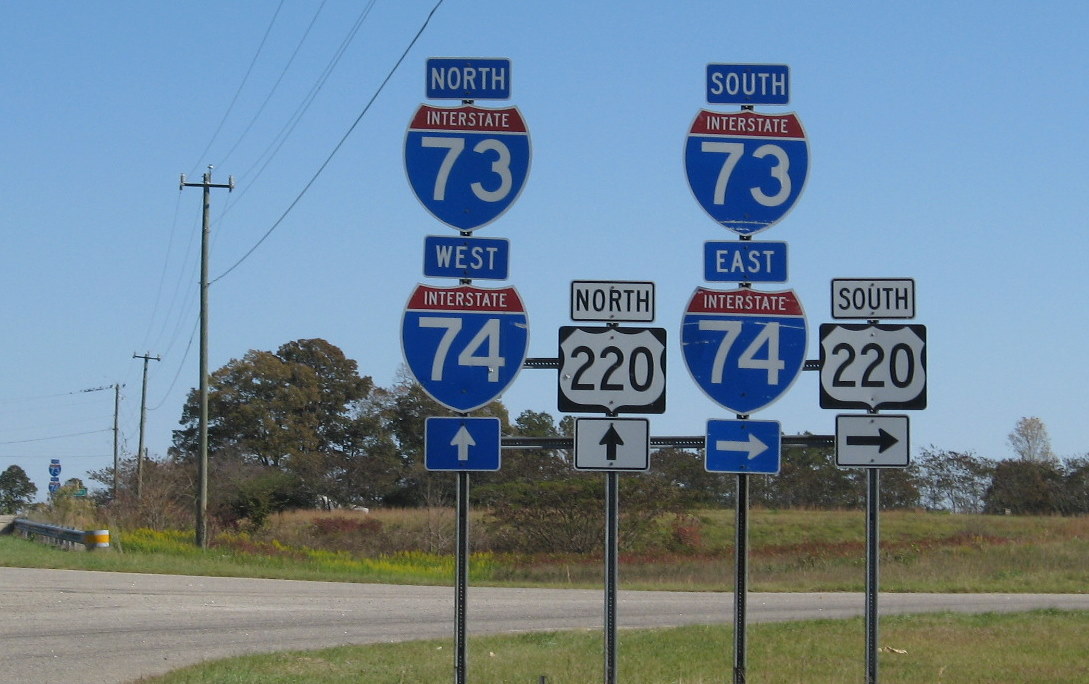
464	344
746	169
611	301
467	164
468	78
744	348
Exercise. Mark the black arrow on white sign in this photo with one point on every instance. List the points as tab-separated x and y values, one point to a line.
883	440
611	440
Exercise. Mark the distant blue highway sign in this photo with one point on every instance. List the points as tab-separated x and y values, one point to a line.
464	344
744	348
743	446
467	164
466	257
746	169
748	84
745	261
461	443
54	467
468	78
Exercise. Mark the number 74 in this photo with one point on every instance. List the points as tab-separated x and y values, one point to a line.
768	335
489	334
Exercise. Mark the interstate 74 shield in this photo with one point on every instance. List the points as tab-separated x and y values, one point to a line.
464	344
744	348
746	169
467	164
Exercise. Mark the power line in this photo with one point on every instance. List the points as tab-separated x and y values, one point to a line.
44	439
241	85
336	149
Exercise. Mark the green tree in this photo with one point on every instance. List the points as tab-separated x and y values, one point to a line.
955	481
16	490
295	411
1025	488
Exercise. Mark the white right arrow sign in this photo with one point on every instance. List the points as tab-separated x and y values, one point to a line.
872	441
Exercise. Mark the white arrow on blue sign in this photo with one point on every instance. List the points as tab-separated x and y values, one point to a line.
467	164
743	446
461	443
746	169
744	348
464	344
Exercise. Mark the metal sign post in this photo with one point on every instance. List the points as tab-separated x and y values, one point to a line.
873	507
461	590
741	575
612	531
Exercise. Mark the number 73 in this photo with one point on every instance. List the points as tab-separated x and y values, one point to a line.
768	336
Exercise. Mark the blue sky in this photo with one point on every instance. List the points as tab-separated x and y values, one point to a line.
945	140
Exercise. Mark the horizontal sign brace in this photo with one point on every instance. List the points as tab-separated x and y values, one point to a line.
554	364
697	442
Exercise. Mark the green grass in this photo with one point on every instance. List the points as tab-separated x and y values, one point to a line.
788	551
1035	647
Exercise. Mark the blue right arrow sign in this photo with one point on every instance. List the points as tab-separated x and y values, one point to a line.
743	446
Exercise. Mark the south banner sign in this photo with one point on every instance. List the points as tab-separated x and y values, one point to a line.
464	344
746	169
744	348
467	164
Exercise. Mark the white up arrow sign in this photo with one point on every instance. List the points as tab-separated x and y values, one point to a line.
753	447
463	440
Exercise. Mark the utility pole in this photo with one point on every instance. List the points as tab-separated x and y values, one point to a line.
143	419
116	453
202	462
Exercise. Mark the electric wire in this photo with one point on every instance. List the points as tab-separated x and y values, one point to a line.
328	159
275	86
241	85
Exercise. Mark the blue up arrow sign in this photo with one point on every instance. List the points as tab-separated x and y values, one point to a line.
461	443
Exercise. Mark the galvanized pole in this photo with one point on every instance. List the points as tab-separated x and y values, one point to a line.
741	575
461	645
873	507
612	529
202	428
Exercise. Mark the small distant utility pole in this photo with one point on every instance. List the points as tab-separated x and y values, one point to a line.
116	453
143	419
202	463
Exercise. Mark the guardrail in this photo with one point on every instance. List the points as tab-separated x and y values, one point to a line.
63	536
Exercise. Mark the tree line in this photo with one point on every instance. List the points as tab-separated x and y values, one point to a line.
300	427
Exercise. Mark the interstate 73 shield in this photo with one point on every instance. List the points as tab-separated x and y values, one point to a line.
467	164
746	169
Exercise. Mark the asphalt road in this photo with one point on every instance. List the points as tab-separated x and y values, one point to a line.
75	626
